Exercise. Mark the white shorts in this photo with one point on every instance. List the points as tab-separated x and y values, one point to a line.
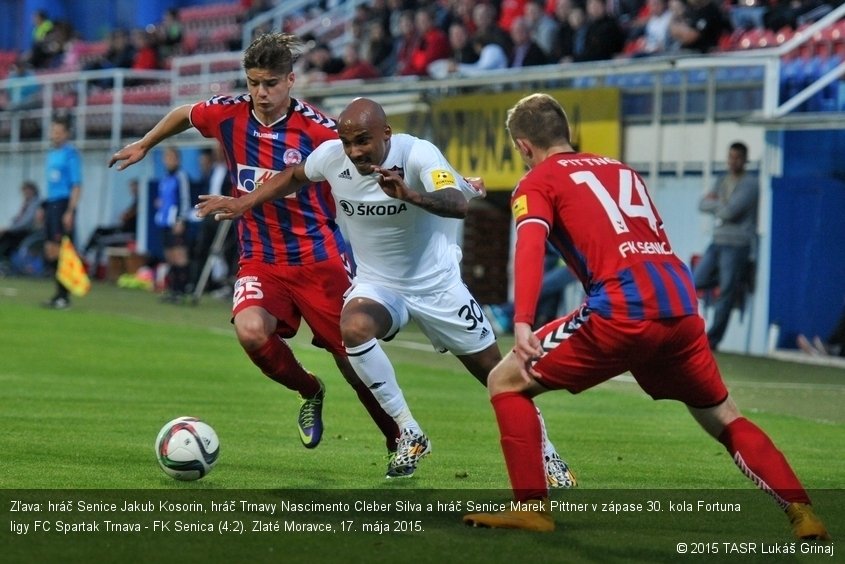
451	319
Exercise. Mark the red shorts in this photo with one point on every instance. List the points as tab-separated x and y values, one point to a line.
313	292
669	358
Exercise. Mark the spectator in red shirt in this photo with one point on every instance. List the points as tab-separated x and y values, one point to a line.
433	44
146	51
355	67
509	10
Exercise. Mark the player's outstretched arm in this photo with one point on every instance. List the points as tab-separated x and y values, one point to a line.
176	121
448	202
224	207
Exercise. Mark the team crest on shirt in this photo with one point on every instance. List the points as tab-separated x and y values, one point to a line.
520	206
292	157
442	179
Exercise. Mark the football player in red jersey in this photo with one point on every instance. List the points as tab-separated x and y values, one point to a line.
640	315
289	247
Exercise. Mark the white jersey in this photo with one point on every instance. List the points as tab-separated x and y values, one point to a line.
395	244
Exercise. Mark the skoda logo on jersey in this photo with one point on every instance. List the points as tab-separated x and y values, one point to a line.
250	177
364	208
347	207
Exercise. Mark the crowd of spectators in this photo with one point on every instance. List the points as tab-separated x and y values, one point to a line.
464	37
454	37
56	45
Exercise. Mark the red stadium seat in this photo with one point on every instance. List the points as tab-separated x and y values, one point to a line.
767	39
783	35
749	39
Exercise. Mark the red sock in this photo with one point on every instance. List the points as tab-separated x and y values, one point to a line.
759	459
522	444
276	361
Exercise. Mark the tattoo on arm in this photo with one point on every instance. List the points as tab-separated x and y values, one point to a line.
448	202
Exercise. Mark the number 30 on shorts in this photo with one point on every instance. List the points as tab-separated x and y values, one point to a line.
472	314
247	290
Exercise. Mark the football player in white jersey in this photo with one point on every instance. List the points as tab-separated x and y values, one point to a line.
399	205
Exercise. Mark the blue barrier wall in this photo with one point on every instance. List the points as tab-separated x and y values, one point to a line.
807	293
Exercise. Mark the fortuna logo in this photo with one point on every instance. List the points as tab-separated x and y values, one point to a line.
345	175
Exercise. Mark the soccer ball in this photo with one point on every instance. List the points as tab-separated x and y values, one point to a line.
187	448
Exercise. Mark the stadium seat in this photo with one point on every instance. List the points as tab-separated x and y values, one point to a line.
729	41
766	39
750	39
6	60
783	35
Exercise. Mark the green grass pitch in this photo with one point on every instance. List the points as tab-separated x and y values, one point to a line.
85	391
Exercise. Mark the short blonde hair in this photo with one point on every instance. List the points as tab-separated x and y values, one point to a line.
540	119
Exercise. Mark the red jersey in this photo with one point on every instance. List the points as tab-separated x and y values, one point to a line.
599	216
299	229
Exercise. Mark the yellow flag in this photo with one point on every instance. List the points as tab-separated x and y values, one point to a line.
71	272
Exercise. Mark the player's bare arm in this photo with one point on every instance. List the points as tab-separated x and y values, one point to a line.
225	207
527	348
448	202
176	121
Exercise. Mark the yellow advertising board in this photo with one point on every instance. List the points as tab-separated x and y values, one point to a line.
470	130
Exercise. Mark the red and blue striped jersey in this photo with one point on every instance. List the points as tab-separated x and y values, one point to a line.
599	216
299	229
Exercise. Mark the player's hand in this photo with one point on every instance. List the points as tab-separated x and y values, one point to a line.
67	221
527	349
478	184
392	184
128	156
219	207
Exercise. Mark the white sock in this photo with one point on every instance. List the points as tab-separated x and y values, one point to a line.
548	447
376	371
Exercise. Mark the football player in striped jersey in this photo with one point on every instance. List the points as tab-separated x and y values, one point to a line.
289	246
640	315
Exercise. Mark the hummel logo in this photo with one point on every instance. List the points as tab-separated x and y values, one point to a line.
345	175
